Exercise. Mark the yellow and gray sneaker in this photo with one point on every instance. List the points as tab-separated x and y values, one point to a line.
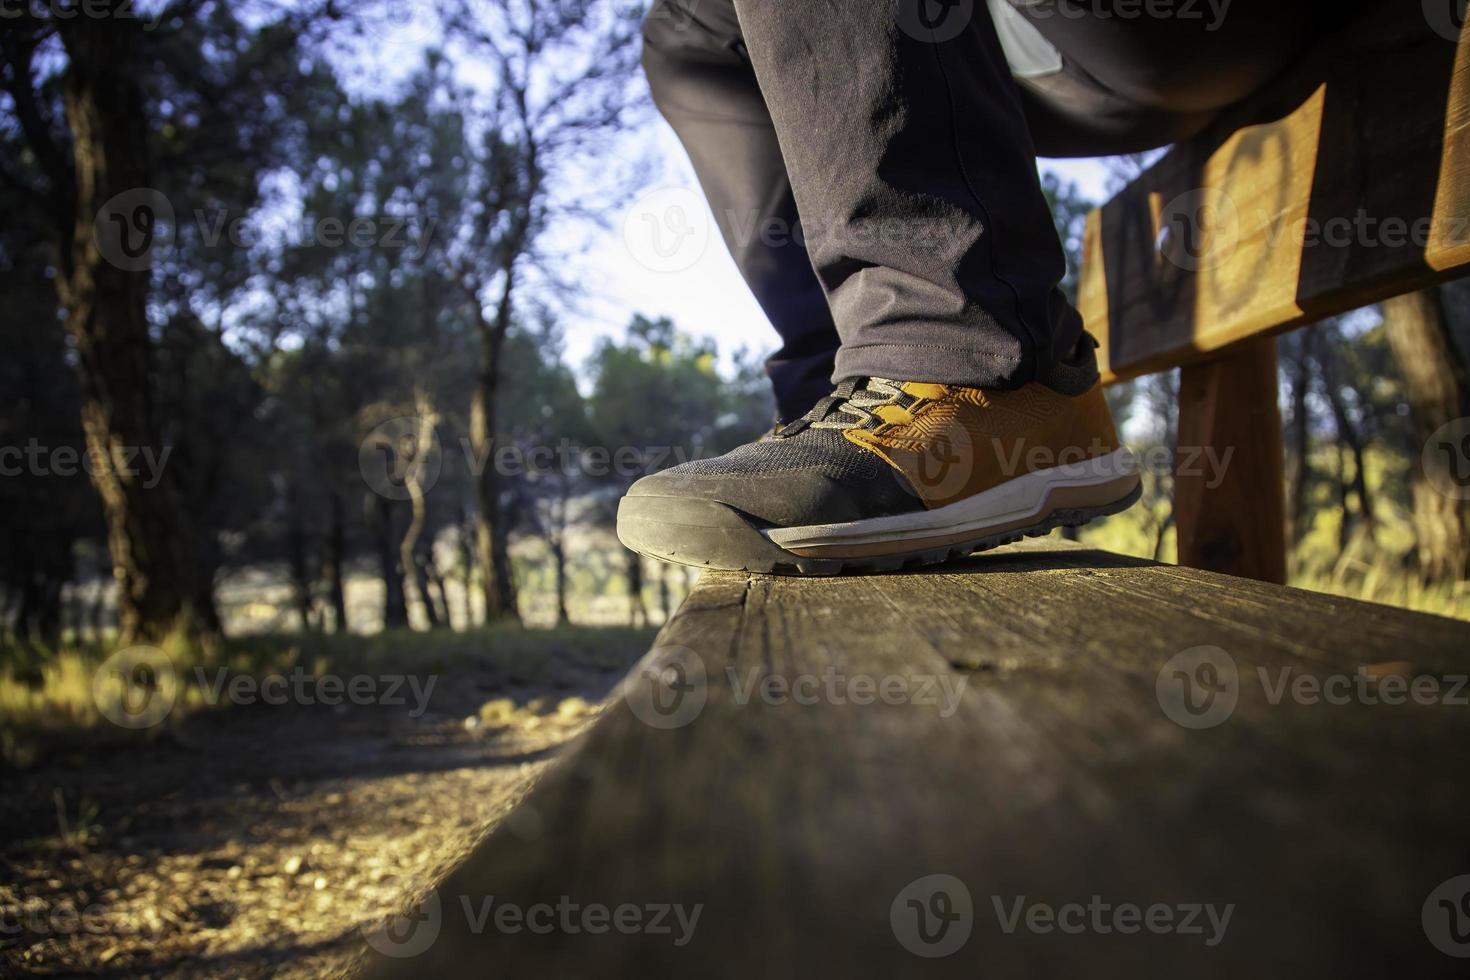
885	474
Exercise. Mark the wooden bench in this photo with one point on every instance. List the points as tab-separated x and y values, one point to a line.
1051	761
1346	184
1062	769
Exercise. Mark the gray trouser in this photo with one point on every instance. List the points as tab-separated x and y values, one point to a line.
871	163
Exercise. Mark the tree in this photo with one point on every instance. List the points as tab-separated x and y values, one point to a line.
658	400
1437	386
101	142
563	74
547	422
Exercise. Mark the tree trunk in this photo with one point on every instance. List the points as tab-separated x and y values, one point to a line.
637	611
665	601
301	577
336	557
423	578
1436	385
1347	431
1299	436
559	557
467	565
106	316
436	579
414	482
395	609
491	538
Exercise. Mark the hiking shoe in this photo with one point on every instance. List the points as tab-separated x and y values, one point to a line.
883	474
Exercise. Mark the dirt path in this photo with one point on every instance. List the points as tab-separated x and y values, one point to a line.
260	839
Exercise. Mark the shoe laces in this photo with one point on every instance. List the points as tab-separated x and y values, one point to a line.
850	405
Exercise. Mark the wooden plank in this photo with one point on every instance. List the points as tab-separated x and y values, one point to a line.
1231	515
1059	775
1342	186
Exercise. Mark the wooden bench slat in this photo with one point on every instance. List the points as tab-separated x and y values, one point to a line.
1377	125
1059	776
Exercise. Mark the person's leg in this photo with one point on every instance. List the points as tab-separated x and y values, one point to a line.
914	172
1129	76
968	411
703	84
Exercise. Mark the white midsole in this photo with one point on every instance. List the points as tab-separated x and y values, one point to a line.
1014	500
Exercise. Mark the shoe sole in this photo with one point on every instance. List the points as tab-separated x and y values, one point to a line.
708	534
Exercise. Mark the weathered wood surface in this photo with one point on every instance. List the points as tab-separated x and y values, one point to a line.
1059	776
1229	481
1351	185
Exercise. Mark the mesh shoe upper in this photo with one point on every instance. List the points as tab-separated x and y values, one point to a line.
807	473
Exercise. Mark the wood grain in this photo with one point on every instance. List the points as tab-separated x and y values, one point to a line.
1231	513
1341	186
1059	776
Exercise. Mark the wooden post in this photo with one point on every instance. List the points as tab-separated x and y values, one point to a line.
1229	487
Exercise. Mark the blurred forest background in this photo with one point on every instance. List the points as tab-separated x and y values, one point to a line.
219	424
285	387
